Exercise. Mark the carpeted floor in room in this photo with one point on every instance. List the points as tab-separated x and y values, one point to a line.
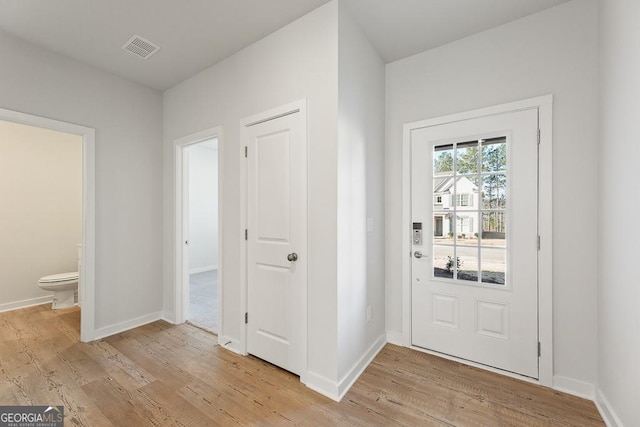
203	300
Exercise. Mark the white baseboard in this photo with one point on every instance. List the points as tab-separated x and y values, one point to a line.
588	391
203	269
127	325
336	390
322	385
169	317
578	388
16	305
606	411
396	338
352	376
230	344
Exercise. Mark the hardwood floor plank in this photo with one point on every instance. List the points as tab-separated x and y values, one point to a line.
116	366
446	405
172	409
162	374
536	402
8	395
118	404
170	374
188	336
45	383
221	404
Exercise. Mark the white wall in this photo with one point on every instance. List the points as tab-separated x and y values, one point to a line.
619	293
360	195
552	52
127	118
203	206
41	215
298	61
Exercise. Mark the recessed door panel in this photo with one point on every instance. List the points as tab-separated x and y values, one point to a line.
273	283
445	311
273	186
492	319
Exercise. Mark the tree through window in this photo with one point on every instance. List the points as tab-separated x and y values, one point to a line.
472	244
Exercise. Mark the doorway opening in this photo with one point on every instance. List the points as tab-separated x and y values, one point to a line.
50	192
201	160
198	230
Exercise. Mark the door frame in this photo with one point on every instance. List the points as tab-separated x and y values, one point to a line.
86	286
181	273
545	253
283	110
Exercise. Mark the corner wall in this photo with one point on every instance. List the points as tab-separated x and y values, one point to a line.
128	121
551	52
296	62
360	254
619	290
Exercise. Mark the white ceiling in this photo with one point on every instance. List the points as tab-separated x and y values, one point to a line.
401	28
195	34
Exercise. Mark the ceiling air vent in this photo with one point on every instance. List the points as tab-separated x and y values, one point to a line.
140	47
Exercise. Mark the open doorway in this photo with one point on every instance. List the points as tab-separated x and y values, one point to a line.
50	188
198	274
201	161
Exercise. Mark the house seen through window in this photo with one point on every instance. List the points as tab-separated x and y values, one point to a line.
470	211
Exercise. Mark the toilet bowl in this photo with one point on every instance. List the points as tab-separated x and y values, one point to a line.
64	287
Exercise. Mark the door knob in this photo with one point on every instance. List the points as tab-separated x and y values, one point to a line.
417	254
292	256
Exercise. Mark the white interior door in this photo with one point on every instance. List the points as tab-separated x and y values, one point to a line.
474	204
276	267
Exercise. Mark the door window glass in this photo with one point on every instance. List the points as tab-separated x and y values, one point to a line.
470	211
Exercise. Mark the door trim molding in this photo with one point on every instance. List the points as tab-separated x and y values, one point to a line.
274	113
545	229
181	297
88	252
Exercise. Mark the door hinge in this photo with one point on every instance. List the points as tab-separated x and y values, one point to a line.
539	349
246	318
246	234
246	151
538	136
538	242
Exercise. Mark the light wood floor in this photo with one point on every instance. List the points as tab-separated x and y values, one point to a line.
162	374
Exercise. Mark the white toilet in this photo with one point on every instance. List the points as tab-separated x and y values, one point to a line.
64	287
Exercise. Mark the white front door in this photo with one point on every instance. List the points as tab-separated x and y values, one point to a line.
276	256
475	284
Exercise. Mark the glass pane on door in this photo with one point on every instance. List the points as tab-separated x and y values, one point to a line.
494	265
443	264
470	210
494	191
494	154
494	229
467	157
467	263
443	159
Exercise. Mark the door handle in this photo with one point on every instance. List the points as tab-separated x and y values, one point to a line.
418	254
292	256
